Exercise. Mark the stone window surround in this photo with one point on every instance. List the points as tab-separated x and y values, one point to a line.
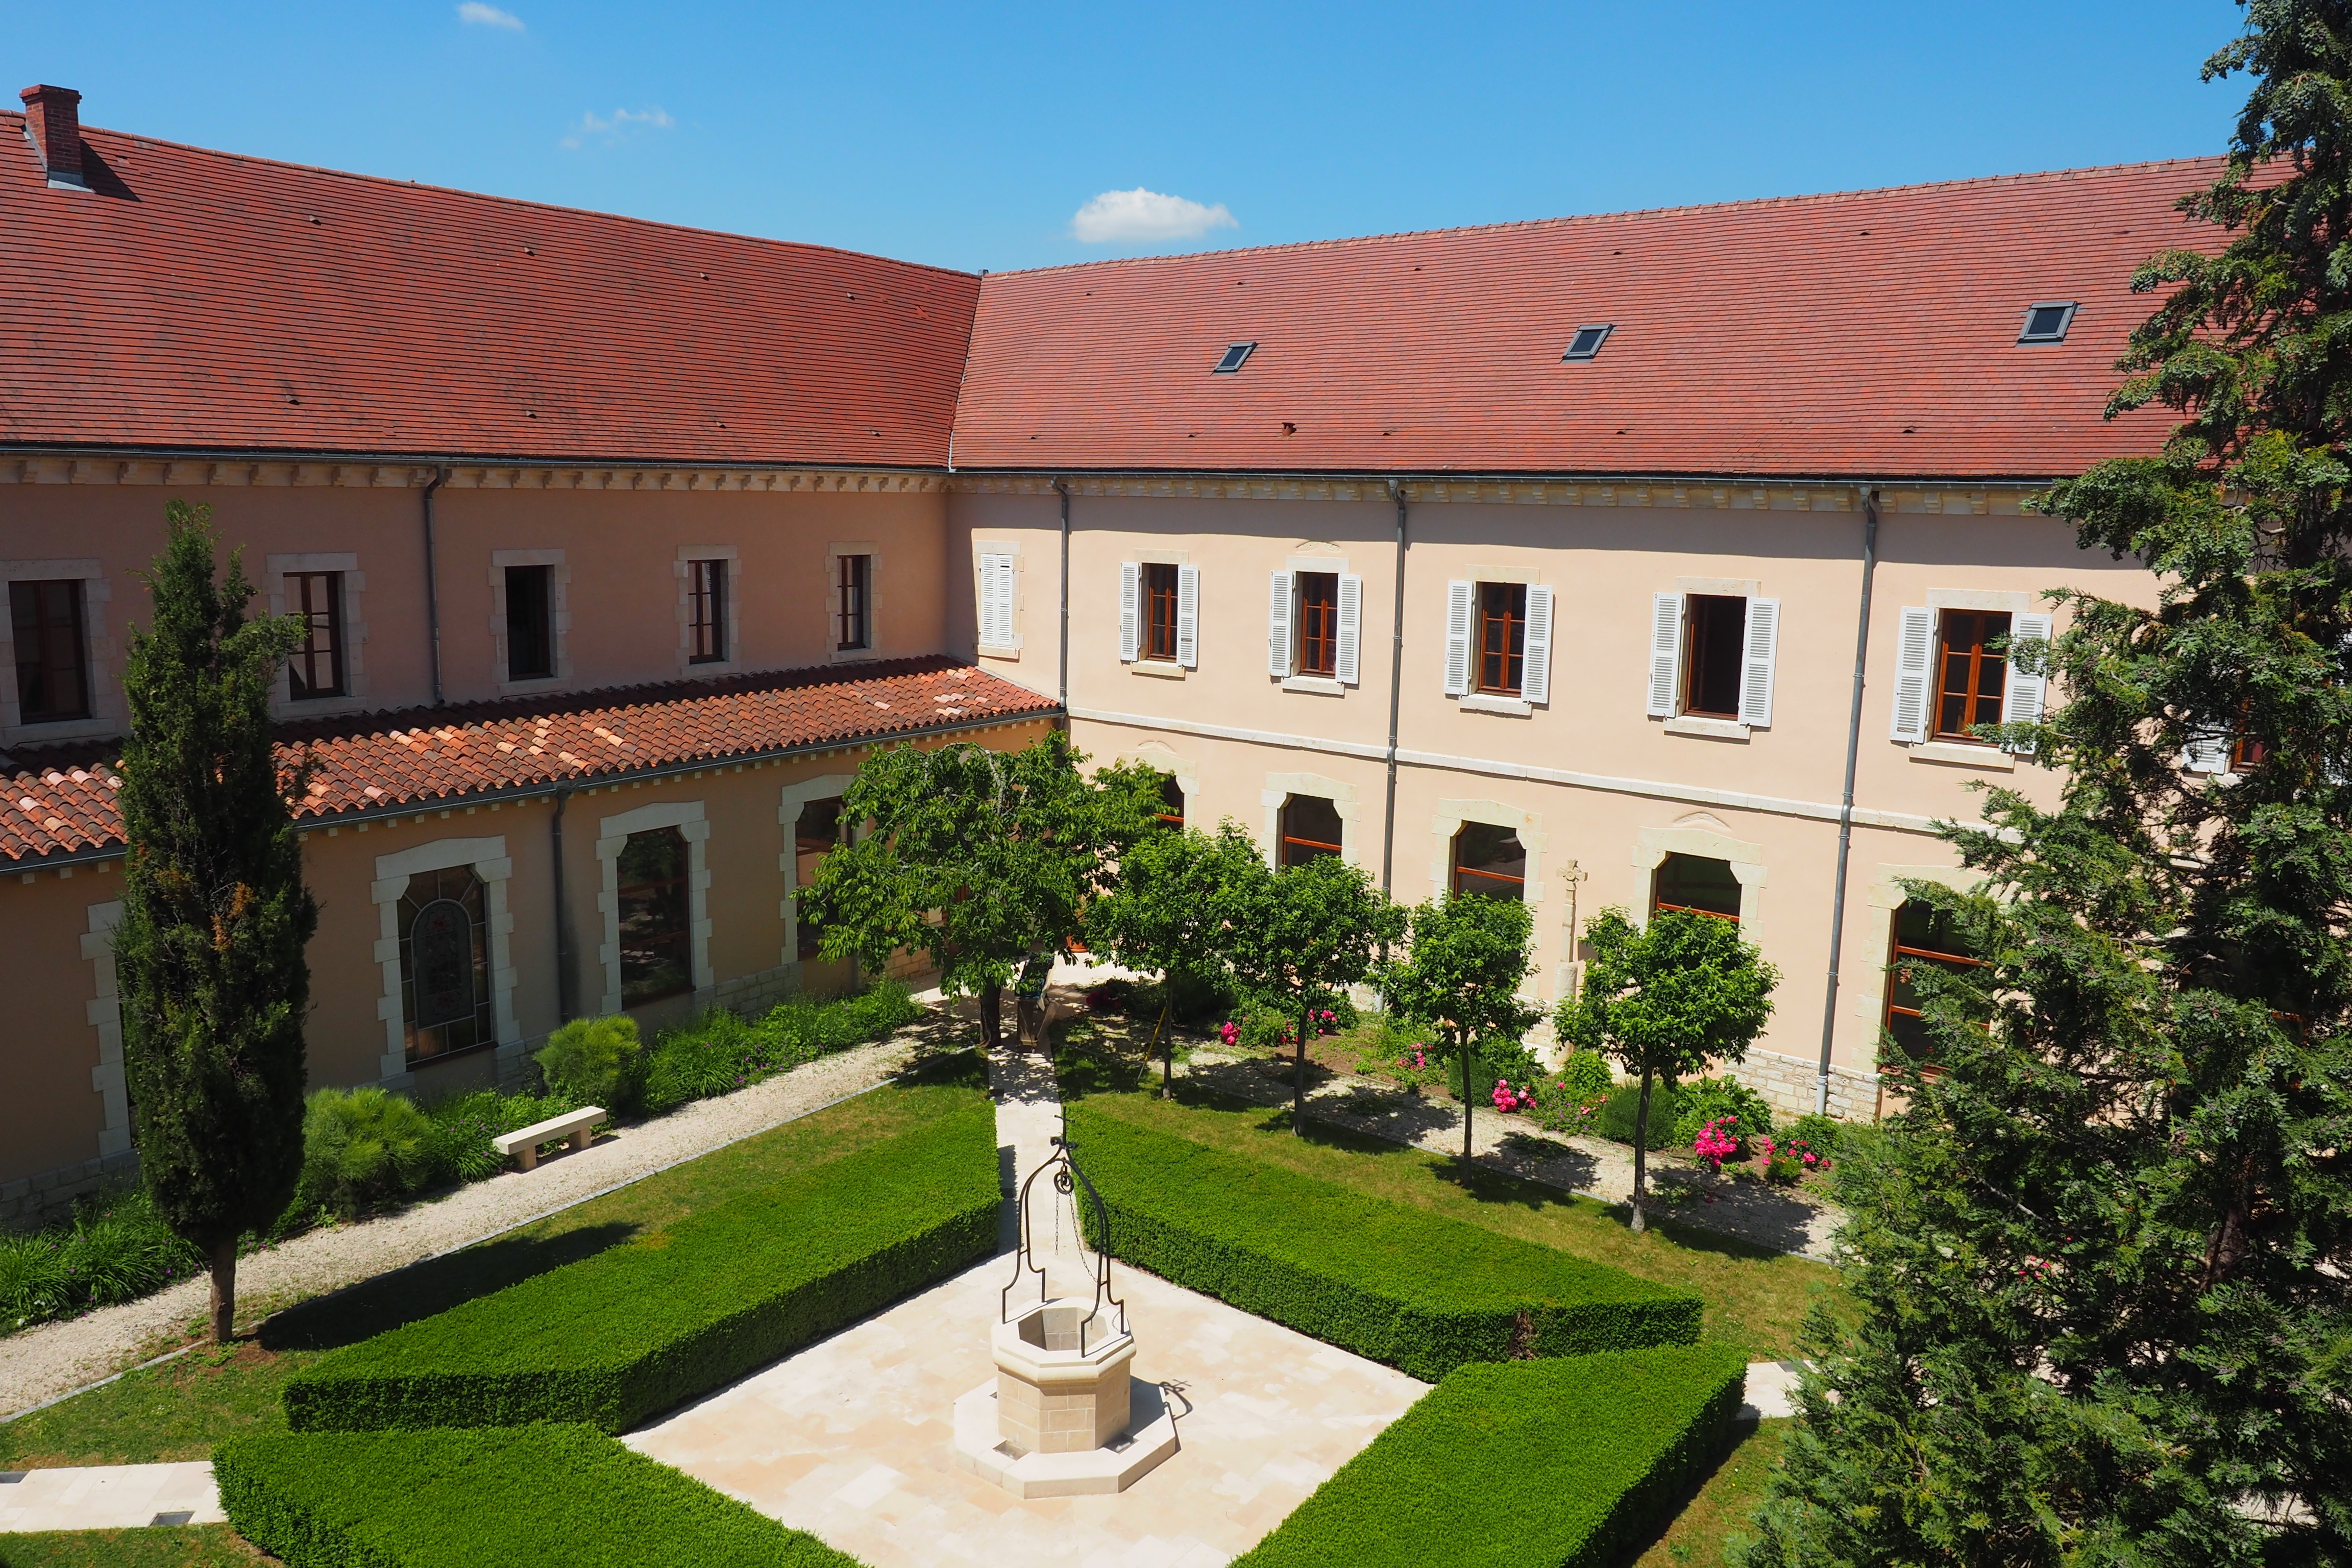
873	641
789	801
558	614
612	832
105	1012
1887	894
732	623
354	629
1280	787
106	716
487	858
1448	822
980	547
1653	845
1162	758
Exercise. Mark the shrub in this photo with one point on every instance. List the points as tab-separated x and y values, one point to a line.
455	1499
720	1051
1617	1114
361	1147
593	1061
1545	1464
1818	1132
1489	1061
1586	1075
1418	1290
462	1126
116	1247
1707	1099
637	1328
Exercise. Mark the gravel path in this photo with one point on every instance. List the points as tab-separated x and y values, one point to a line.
40	1364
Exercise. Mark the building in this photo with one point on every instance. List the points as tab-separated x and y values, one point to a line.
1528	559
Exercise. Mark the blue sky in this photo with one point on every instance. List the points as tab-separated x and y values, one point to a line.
978	136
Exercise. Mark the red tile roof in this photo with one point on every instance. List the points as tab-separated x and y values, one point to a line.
202	300
61	801
1872	334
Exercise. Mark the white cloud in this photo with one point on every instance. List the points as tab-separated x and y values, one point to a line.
620	123
483	16
1141	216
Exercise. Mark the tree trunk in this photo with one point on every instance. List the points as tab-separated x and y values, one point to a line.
1168	1057
1642	1151
1299	1079
1469	1099
992	1017
224	1268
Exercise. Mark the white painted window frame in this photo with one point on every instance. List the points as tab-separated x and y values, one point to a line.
874	597
790	800
99	655
558	614
732	623
488	860
1280	787
282	704
612	834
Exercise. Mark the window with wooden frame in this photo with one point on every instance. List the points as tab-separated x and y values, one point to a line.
1160	606
656	934
1490	861
1310	829
1172	802
1502	634
1715	646
706	611
530	623
1919	934
1972	673
853	603
1318	623
1697	883
52	650
445	965
817	833
316	668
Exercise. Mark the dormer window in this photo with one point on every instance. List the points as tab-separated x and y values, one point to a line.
2047	322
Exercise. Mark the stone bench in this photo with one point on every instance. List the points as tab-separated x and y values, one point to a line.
523	1141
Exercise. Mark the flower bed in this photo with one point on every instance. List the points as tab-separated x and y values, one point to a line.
1545	1464
563	1494
639	1327
1401	1285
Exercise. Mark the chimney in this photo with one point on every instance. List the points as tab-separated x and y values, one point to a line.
53	125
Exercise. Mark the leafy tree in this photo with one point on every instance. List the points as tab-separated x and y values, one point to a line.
983	860
1296	940
1461	971
214	914
1664	1001
2102	1263
1168	912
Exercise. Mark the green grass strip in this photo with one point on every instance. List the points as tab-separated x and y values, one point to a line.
512	1497
679	1311
1532	1464
1417	1290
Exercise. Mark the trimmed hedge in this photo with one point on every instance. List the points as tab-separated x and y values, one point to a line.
1401	1285
640	1327
511	1496
1541	1464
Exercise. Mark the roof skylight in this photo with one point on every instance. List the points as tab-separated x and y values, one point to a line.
1587	343
2047	322
1236	356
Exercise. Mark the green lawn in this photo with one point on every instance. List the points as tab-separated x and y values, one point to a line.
1699	1533
184	1546
179	1410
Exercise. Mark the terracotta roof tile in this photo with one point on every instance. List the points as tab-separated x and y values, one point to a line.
62	801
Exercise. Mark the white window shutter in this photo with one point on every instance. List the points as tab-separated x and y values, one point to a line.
1130	586
2028	694
1535	674
1278	645
1458	638
1351	629
1666	653
996	601
2207	753
1761	650
1188	617
1915	652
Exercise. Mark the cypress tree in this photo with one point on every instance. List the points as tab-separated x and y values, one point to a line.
2102	1264
214	914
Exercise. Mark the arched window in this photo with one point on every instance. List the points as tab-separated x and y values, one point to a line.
1310	829
657	939
445	964
1172	800
1695	883
814	837
1489	860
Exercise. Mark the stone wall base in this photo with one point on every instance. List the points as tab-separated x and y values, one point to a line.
31	1202
1789	1084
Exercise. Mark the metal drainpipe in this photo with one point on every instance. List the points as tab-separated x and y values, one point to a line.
1396	694
1845	806
432	587
564	986
1062	488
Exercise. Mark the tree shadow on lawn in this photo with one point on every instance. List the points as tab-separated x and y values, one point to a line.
405	1295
